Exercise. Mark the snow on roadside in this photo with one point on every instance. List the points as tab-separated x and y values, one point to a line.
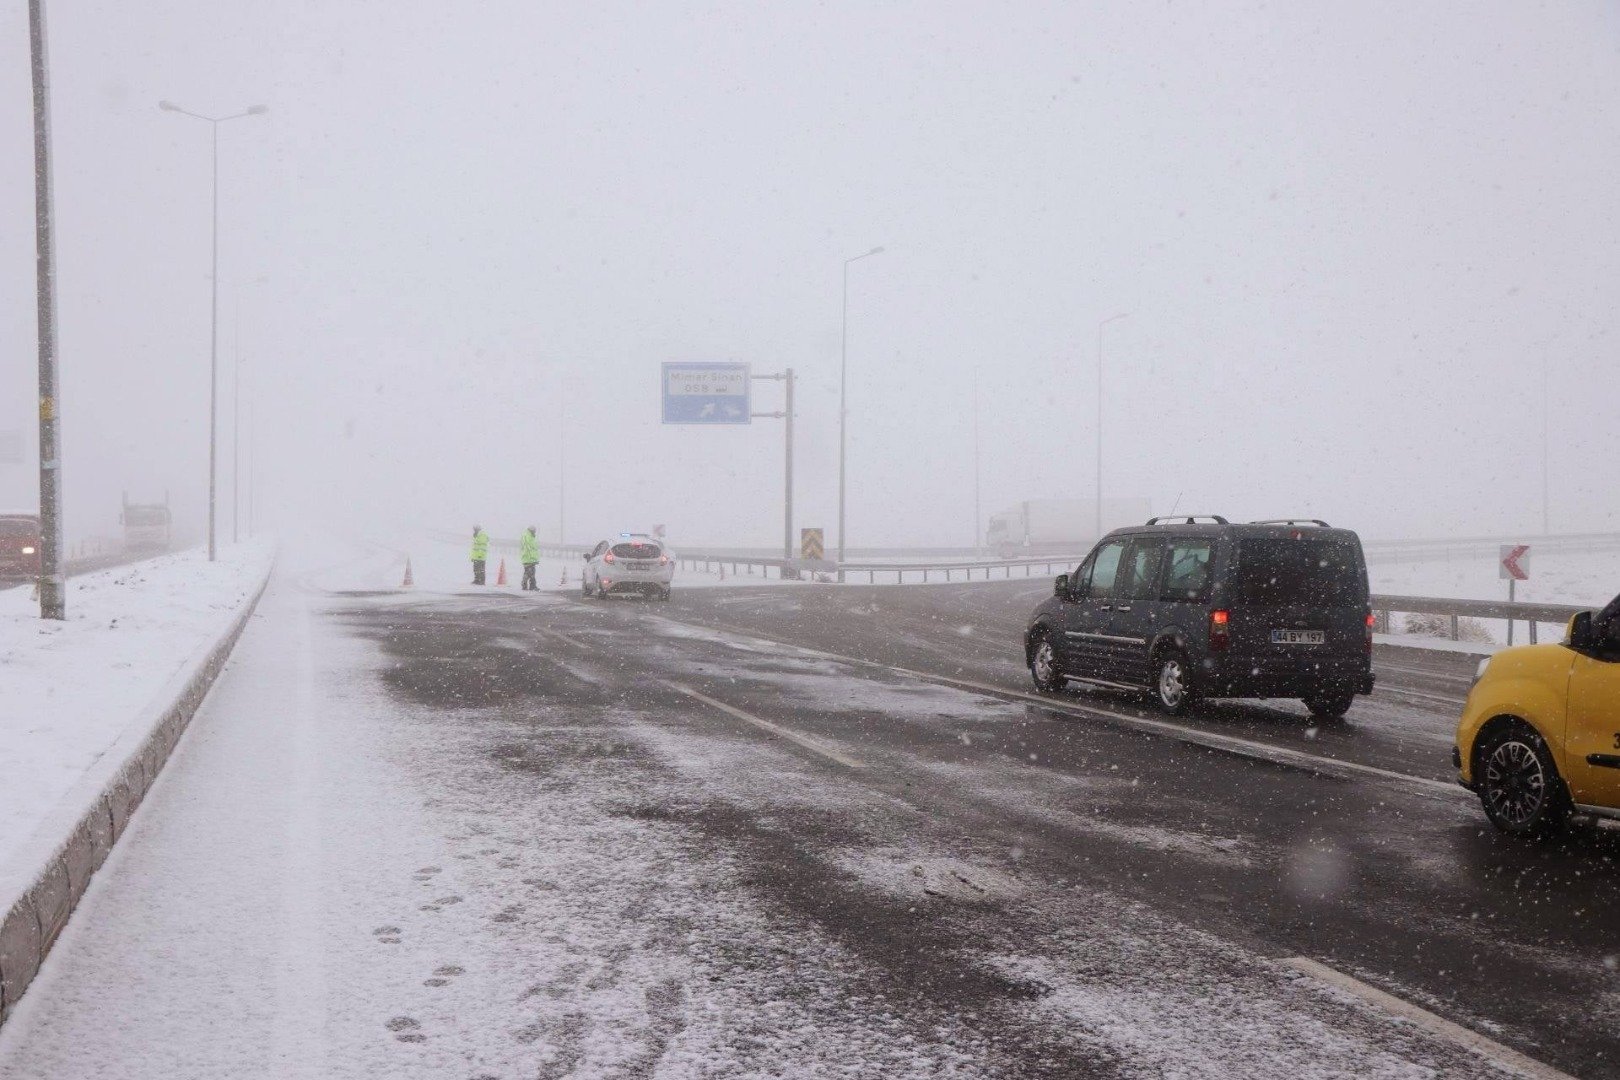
69	689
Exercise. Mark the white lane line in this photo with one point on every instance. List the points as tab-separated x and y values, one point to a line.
1248	747
1492	1051
775	729
565	639
1427	673
1441	699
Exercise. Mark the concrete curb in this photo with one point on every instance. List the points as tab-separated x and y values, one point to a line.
46	878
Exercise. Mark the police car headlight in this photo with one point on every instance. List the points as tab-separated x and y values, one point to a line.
28	551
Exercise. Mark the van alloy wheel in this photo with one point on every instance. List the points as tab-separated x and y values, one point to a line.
1174	684
1043	666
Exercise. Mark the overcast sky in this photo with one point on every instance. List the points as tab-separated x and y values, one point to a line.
1348	237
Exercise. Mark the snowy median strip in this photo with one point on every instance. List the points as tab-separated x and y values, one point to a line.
94	708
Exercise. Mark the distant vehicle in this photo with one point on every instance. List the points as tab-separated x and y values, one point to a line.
147	526
634	563
1539	737
1060	526
19	546
1193	607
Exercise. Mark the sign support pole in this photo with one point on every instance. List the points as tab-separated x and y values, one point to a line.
1511	583
787	463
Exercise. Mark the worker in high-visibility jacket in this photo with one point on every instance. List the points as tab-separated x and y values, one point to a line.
529	554
480	553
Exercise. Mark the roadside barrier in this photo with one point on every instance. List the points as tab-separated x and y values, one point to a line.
42	882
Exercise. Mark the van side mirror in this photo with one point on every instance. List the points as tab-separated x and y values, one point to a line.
1060	587
1579	634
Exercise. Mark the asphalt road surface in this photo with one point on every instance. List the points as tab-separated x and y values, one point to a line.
801	832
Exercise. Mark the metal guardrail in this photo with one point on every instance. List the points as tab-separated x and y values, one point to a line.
1433	550
1532	615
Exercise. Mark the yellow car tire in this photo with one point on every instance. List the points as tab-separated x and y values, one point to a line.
1518	782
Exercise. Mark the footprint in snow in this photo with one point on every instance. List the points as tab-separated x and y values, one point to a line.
443	975
404	1029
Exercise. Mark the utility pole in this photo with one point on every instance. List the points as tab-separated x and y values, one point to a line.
52	584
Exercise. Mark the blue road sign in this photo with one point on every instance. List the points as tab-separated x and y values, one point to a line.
706	393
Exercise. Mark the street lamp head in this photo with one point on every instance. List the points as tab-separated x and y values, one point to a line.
168	106
875	251
257	110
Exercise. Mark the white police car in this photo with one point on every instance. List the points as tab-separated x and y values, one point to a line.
633	563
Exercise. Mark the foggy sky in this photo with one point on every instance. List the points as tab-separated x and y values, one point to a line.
1348	237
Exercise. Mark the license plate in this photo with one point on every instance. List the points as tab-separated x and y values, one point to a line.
1297	637
641	565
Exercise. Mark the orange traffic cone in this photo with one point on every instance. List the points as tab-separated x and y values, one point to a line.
409	581
500	575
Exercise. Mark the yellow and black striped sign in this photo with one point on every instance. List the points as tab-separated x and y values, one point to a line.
811	544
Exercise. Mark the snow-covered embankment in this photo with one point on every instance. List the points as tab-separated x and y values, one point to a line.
90	710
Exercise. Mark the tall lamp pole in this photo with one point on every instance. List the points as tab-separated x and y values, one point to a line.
978	520
843	388
213	328
236	411
1546	405
52	587
1105	322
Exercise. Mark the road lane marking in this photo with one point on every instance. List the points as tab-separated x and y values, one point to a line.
565	639
1502	1056
1427	673
775	729
1232	743
1440	699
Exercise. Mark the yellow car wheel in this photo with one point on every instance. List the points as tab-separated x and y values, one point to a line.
1519	784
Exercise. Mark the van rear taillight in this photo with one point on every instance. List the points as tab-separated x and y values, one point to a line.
1220	630
1372	621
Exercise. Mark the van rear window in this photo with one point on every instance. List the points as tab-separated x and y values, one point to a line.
19	527
1308	572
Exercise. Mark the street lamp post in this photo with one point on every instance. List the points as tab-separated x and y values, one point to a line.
52	587
213	316
1105	322
236	409
843	412
1546	405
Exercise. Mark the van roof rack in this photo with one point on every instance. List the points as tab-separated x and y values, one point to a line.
1188	519
1292	521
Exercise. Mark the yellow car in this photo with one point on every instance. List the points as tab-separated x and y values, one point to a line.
1539	738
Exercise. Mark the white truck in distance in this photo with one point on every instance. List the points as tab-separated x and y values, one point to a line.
147	526
1059	526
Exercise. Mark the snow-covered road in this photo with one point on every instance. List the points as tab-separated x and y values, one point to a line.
438	835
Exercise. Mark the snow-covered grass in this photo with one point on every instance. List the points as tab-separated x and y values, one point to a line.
68	690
